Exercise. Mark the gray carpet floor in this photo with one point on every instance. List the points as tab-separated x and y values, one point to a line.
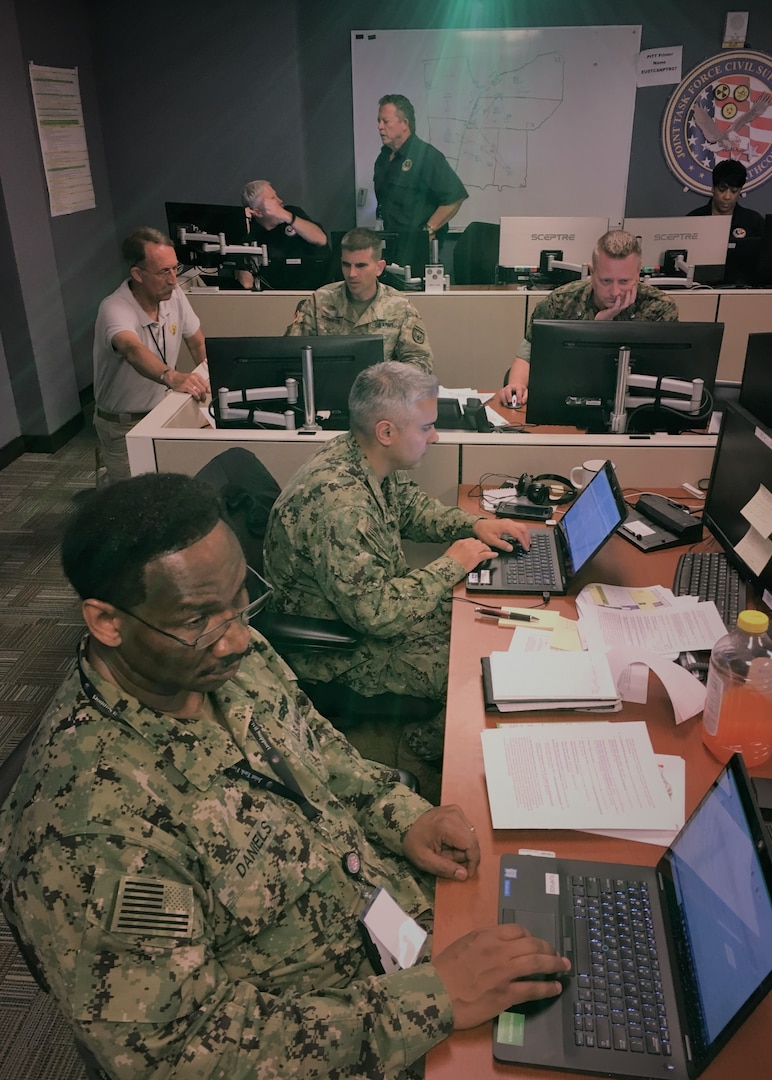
40	625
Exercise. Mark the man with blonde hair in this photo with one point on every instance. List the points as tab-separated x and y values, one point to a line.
612	292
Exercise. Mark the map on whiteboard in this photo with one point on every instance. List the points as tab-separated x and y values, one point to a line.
482	125
536	121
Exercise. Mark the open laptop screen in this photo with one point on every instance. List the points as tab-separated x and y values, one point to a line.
591	518
723	911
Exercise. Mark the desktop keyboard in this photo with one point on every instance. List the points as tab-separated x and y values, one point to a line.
536	567
619	1001
709	576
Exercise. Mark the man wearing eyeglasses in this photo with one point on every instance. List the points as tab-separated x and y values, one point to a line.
137	339
190	846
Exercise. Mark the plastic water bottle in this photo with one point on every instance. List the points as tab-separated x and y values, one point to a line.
738	703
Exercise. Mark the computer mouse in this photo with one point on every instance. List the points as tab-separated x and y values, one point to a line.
511	404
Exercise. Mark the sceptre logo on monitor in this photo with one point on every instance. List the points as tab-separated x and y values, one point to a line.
721	110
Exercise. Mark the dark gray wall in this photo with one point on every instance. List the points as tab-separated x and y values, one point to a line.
197	98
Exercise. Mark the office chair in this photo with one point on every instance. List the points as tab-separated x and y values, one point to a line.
9	773
476	254
249	491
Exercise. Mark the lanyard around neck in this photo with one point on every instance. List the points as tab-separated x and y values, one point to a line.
160	345
288	788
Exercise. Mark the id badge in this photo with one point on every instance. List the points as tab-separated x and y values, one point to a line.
396	937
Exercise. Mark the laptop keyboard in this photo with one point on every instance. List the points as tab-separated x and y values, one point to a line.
619	1002
537	567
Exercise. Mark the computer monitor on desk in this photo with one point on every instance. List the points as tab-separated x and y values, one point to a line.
704	239
241	365
756	387
522	240
187	219
575	365
737	506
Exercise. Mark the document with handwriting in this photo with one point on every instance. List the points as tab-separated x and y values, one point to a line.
574	775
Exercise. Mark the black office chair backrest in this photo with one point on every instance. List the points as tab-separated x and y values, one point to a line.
248	491
476	254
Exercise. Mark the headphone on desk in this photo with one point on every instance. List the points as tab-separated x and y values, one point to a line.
533	488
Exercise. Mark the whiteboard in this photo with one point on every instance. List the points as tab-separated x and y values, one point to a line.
535	122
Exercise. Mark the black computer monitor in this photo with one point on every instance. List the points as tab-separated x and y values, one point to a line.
742	472
756	386
248	363
204	218
574	370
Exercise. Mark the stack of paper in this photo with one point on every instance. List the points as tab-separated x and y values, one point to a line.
592	775
520	681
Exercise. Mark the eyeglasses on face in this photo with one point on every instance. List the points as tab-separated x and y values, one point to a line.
214	633
168	272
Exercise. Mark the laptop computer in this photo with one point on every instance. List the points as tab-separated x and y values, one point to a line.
660	993
558	553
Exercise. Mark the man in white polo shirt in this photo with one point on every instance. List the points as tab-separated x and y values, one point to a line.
137	338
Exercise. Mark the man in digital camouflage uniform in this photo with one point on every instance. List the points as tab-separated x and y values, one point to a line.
194	913
612	292
333	548
361	304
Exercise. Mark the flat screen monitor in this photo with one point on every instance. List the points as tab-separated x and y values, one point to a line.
756	386
763	276
704	239
574	370
522	239
206	218
739	495
250	363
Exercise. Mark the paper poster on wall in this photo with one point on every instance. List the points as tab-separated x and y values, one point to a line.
62	134
535	122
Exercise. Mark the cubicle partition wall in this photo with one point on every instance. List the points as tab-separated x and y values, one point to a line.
474	332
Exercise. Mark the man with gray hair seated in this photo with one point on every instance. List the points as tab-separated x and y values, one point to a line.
612	291
287	231
333	549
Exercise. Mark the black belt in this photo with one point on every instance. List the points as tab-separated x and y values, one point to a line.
120	417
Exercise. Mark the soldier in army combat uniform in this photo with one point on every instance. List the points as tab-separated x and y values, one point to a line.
612	291
361	304
189	846
333	546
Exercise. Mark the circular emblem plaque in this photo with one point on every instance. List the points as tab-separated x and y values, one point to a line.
721	110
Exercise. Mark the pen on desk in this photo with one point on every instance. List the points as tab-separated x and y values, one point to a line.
499	613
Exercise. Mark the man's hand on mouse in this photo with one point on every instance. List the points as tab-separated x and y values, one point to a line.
494	533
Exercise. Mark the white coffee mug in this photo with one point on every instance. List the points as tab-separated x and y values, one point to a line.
582	474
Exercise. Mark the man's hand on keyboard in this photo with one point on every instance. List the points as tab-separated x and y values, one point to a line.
470	552
491	969
492	531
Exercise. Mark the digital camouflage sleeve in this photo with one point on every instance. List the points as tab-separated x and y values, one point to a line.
192	926
575	301
391	315
333	549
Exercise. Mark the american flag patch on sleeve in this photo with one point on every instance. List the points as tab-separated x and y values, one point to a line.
153	907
